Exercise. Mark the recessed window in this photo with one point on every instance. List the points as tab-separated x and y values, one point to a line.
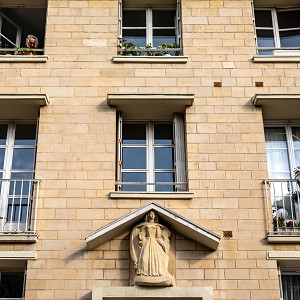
17	160
150	31
290	282
277	29
22	29
12	284
151	156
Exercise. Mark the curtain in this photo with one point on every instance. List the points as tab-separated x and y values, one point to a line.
290	287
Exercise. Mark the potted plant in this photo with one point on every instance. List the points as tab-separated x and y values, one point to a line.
167	46
278	223
25	51
129	49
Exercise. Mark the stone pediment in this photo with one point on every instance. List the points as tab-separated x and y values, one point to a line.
175	221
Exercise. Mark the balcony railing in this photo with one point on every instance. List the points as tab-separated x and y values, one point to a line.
18	207
283	196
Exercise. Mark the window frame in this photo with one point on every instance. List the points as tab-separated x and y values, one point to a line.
275	29
149	28
178	149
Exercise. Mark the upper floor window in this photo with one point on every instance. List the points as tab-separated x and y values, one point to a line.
277	29
150	29
151	155
22	29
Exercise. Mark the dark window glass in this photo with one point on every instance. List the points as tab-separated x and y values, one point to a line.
163	134
161	36
11	285
25	134
263	18
290	287
134	177
164	177
163	18
3	134
134	18
134	134
163	158
288	19
10	32
265	38
2	154
23	159
290	38
134	158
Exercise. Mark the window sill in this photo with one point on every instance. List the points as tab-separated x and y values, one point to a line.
284	238
276	58
18	237
150	59
151	195
23	58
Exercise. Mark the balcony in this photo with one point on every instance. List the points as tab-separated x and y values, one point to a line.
18	209
283	210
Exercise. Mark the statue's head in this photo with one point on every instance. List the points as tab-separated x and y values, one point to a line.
151	216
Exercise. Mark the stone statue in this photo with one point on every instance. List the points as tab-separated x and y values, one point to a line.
149	247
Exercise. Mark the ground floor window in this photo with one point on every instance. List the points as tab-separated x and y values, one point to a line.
12	284
290	282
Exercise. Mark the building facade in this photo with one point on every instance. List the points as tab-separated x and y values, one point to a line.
111	109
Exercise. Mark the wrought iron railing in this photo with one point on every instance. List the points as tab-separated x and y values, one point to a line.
283	197
18	207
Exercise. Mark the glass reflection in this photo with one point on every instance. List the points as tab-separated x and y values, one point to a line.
23	159
17	209
265	38
164	177
290	38
134	158
134	177
19	187
163	158
2	155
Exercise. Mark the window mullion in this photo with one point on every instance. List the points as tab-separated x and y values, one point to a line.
149	25
150	158
276	28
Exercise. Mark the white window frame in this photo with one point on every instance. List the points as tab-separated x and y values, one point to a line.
179	153
275	29
9	148
149	26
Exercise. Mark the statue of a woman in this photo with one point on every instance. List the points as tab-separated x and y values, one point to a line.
149	249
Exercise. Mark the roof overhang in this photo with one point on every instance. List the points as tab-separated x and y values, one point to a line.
278	106
150	106
175	221
21	106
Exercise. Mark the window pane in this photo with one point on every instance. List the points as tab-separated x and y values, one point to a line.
163	158
288	19
296	142
13	210
2	154
290	287
3	133
23	159
290	38
161	36
134	134
164	177
10	32
277	153
265	38
163	18
134	18
134	158
11	284
163	134
25	134
263	18
19	187
135	36
134	177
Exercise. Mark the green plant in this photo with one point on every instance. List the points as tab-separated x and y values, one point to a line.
167	46
129	48
149	53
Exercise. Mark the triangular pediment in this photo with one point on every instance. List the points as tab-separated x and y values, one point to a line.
175	221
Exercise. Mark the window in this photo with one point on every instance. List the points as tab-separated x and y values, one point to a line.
12	284
17	22
277	29
17	160
290	282
151	155
150	30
